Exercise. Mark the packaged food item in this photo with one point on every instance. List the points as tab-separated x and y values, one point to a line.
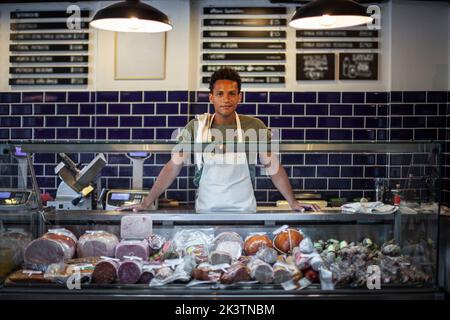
130	270
268	255
261	271
61	272
12	246
167	251
96	244
228	236
306	246
235	273
255	242
136	226
195	242
136	248
284	272
105	271
287	239
27	276
208	272
155	243
226	252
147	275
53	247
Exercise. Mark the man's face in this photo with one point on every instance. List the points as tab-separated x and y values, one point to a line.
225	97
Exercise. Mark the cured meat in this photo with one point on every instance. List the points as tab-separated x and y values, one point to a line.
236	273
136	248
155	243
255	242
130	271
97	243
286	240
105	271
146	277
226	252
261	271
228	236
136	226
268	255
53	247
12	246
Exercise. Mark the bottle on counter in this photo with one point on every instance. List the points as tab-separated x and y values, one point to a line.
396	198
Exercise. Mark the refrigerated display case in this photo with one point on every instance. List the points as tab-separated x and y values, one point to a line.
339	253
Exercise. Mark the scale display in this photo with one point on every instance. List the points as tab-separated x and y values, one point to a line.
120	196
5	195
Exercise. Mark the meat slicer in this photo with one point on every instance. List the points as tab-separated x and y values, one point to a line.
76	191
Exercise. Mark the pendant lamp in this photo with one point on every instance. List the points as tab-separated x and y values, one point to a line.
330	14
131	16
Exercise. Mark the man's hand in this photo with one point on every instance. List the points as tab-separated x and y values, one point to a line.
298	206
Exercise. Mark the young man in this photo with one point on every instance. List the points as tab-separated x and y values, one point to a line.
224	180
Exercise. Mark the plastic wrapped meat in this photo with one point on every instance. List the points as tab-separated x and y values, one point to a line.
261	271
226	252
283	272
163	273
105	271
155	243
228	236
136	226
96	244
255	242
129	271
286	240
12	246
147	275
53	247
268	255
236	273
207	272
134	248
194	242
306	246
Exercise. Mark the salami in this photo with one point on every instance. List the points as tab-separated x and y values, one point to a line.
97	243
53	247
105	271
130	271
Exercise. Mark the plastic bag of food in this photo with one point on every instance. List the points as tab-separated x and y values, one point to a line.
235	273
226	252
194	242
228	236
155	243
283	272
286	239
53	247
136	226
255	241
63	273
261	271
268	255
97	243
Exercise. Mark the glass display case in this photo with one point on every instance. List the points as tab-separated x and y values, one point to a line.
384	242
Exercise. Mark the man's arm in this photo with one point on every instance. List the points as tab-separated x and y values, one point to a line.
281	181
165	178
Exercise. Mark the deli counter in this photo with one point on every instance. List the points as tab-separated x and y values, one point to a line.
389	243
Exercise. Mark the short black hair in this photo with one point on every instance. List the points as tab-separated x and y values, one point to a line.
225	73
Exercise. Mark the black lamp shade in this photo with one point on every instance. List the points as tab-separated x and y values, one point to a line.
131	16
330	14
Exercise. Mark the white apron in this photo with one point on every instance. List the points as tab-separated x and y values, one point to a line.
225	184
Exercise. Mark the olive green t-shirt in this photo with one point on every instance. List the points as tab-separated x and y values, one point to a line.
254	130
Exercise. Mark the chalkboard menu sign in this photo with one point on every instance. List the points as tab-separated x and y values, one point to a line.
260	55
337	33
247	68
255	80
245	10
61	51
358	66
357	50
315	66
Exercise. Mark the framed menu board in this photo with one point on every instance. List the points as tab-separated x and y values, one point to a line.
315	66
358	66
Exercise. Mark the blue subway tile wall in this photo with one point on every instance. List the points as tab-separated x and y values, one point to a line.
305	116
